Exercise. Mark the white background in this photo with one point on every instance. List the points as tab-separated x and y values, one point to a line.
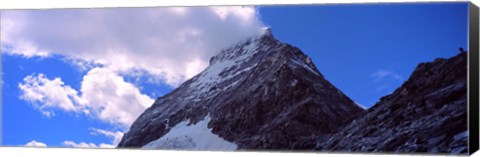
71	152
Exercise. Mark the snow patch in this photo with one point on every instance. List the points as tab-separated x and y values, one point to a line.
230	85
228	60
295	61
360	105
191	137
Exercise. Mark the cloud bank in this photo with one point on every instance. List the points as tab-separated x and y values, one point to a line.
168	44
171	44
103	95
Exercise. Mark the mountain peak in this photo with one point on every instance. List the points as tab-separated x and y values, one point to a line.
258	94
267	31
247	48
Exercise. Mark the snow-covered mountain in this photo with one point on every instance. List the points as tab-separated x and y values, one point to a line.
259	94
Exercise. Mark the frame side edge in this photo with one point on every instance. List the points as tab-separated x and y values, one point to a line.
473	55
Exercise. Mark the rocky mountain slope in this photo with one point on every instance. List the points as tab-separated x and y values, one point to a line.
265	94
428	113
259	94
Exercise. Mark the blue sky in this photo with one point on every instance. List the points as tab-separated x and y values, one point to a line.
365	50
369	50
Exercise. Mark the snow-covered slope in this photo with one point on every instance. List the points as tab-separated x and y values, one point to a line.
191	136
258	94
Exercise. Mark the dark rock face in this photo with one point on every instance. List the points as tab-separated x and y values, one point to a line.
428	113
260	94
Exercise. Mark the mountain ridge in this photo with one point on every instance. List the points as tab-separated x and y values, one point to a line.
264	94
427	113
263	83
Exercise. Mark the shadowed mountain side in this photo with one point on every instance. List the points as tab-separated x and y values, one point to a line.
428	113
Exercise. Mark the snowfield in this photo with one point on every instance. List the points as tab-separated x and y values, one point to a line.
191	137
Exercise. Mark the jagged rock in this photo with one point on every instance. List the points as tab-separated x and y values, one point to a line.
260	94
428	113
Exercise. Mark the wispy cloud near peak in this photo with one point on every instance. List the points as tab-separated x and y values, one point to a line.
381	74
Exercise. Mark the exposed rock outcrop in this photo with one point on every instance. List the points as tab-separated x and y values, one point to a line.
428	113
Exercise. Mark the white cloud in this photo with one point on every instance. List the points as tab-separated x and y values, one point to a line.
384	79
116	136
382	74
171	44
35	144
87	145
79	145
46	94
111	98
104	95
